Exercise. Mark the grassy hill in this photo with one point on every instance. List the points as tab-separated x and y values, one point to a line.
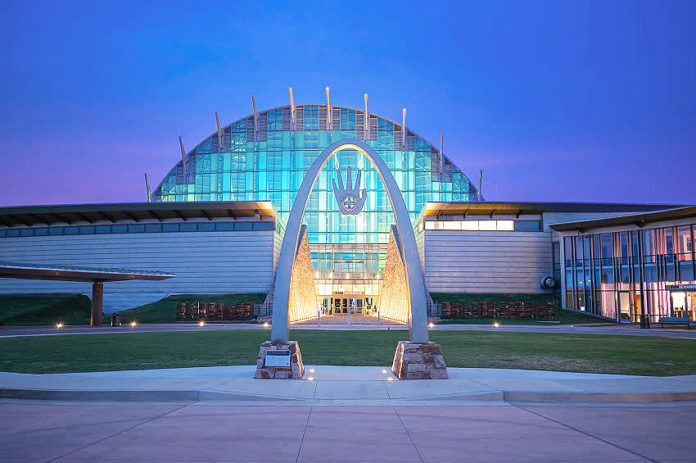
165	310
44	309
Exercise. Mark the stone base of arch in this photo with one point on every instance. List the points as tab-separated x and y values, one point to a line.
293	371
419	361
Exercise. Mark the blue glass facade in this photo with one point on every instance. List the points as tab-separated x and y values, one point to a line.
626	275
267	160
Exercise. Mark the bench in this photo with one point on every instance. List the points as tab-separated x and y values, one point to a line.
685	321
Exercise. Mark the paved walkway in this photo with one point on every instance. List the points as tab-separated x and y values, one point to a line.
215	432
342	321
334	385
619	330
346	414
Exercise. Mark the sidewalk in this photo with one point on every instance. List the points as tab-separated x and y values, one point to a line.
353	386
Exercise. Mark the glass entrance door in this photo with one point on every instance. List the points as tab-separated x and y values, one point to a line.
341	305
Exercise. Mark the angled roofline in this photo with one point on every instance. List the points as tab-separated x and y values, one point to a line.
639	220
533	207
29	216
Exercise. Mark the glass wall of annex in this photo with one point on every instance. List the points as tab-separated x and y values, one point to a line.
625	275
267	160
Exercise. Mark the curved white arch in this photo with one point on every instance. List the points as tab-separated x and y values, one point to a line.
414	273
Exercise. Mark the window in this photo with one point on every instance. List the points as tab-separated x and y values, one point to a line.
472	225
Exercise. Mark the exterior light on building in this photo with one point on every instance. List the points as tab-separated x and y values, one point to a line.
496	324
265	324
133	324
201	323
59	325
431	325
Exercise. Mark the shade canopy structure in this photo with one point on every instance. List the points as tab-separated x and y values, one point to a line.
97	276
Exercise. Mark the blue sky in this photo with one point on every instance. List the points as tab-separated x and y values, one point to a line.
555	101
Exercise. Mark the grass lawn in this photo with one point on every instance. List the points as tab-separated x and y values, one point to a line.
165	310
44	309
542	351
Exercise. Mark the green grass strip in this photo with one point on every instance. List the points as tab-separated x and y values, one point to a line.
635	355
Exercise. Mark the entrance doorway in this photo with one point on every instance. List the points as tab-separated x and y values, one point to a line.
630	309
347	304
624	306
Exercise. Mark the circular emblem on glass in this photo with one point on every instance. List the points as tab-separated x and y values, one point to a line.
349	203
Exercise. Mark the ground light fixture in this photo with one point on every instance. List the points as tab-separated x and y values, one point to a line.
311	370
496	324
201	323
310	378
431	325
133	324
265	324
59	325
390	379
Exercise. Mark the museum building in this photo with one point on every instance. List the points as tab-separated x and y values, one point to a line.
217	220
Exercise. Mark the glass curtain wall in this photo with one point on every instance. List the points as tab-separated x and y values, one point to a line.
267	159
628	274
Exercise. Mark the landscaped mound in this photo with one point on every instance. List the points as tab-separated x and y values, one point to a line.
44	309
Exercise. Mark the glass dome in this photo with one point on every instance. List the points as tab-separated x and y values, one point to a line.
268	160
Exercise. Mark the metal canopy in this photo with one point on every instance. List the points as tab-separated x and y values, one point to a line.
84	274
638	220
518	208
133	212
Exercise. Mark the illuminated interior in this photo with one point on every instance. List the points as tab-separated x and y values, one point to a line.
265	157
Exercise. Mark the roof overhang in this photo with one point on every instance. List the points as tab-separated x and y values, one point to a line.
518	208
639	220
68	273
133	212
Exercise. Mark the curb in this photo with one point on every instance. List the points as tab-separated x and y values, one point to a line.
205	396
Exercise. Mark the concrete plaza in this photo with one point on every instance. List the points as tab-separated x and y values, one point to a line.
346	414
217	431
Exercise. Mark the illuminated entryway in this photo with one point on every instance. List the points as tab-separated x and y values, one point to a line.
414	287
403	284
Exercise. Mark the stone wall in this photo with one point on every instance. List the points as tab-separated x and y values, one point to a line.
500	310
394	295
303	294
